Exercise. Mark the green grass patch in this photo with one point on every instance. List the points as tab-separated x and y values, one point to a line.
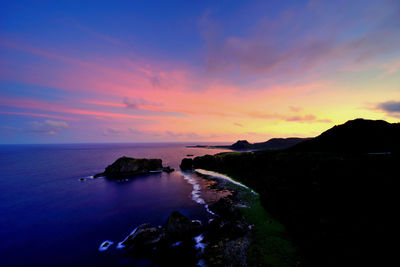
271	245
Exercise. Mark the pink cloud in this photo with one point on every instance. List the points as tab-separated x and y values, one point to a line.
32	114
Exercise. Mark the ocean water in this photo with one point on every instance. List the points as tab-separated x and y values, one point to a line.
48	217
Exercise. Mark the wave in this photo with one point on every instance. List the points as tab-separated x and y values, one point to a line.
196	192
199	244
90	177
105	245
120	244
222	177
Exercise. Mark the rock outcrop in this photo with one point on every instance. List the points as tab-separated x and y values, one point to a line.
168	169
186	164
128	167
225	209
223	241
179	226
178	230
227	236
145	236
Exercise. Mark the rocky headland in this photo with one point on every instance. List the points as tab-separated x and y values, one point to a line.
335	194
271	144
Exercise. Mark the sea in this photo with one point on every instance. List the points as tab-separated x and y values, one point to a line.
50	216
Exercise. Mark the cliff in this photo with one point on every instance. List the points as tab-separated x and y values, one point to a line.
335	193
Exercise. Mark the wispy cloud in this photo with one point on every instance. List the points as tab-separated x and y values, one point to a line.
295	109
273	73
94	33
320	35
49	127
112	132
136	103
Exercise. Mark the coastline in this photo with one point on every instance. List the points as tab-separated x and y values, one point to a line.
239	233
266	244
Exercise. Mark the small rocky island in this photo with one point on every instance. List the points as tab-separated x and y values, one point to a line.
125	167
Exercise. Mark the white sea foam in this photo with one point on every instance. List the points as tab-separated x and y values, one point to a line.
199	244
208	210
202	263
222	177
120	245
86	178
196	192
105	245
176	244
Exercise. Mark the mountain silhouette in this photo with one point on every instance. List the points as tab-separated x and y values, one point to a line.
359	135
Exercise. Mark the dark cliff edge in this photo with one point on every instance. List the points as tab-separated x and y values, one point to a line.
334	193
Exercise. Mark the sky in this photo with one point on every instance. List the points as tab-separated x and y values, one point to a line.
194	71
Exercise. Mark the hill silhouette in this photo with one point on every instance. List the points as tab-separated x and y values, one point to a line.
359	135
335	193
271	144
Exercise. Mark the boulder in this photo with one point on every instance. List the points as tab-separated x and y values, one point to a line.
186	164
144	236
219	229
235	229
224	208
168	169
179	226
128	167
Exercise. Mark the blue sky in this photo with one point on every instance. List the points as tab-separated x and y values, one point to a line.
160	71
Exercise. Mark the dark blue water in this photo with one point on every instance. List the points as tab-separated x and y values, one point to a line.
49	217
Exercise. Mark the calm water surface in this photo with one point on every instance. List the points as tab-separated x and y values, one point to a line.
49	217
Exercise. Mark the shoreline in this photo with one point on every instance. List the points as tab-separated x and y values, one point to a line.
267	242
239	233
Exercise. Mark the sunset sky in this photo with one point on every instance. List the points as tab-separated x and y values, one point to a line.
161	71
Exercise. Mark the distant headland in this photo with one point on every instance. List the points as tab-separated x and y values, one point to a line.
271	144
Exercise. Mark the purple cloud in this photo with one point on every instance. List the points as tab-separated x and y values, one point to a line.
322	35
390	106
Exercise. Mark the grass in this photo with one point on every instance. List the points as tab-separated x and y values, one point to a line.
271	245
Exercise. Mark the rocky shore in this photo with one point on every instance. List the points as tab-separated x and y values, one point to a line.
266	241
182	241
222	241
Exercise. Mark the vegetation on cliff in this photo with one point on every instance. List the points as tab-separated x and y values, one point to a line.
336	203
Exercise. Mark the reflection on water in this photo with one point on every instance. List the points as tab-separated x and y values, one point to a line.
49	216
